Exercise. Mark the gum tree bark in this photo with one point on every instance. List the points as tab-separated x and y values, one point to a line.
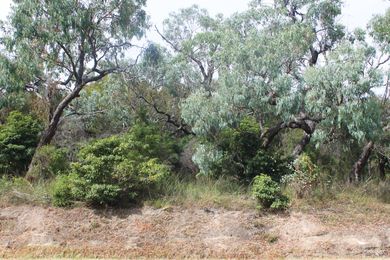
357	169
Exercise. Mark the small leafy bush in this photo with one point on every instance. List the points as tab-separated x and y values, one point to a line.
67	189
19	137
237	152
268	193
120	169
305	177
48	162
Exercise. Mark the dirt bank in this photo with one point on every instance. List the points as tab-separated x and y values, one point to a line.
182	232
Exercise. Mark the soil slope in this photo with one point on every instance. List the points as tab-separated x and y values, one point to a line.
175	232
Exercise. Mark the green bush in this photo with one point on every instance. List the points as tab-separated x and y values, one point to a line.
237	152
122	168
272	164
268	193
103	194
48	162
67	189
19	137
305	176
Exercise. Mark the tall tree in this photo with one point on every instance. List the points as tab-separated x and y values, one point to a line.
65	45
291	65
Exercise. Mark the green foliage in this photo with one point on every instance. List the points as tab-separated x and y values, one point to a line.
121	168
380	30
268	193
244	140
49	162
103	194
19	137
56	48
238	153
66	189
305	177
271	163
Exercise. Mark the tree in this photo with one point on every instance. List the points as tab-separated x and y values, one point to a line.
263	55
62	46
291	65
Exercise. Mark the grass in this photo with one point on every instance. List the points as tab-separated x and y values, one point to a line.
187	192
204	192
366	203
17	191
225	193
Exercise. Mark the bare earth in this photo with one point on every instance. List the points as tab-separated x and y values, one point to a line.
175	232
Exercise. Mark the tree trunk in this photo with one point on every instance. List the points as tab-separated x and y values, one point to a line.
48	134
271	133
51	130
382	166
301	145
356	172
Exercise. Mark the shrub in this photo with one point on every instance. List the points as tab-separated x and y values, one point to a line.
268	193
237	152
305	176
121	168
19	137
48	162
272	164
67	189
103	194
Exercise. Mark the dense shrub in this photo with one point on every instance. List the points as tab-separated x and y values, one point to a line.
119	169
19	137
48	162
67	189
274	165
237	152
305	176
268	193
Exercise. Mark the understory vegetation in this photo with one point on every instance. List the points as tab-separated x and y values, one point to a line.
274	107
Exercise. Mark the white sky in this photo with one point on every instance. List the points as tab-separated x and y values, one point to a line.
356	13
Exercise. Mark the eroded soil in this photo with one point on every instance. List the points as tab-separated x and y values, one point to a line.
175	232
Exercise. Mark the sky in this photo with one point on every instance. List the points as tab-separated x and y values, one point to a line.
356	13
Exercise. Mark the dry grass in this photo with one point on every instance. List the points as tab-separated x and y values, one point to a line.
18	191
363	204
204	192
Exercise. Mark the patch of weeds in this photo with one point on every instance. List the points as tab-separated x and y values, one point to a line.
270	238
95	225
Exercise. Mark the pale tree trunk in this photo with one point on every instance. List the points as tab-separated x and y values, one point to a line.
357	169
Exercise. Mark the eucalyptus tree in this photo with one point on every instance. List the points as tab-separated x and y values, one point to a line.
264	54
186	63
62	46
291	65
195	39
379	30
